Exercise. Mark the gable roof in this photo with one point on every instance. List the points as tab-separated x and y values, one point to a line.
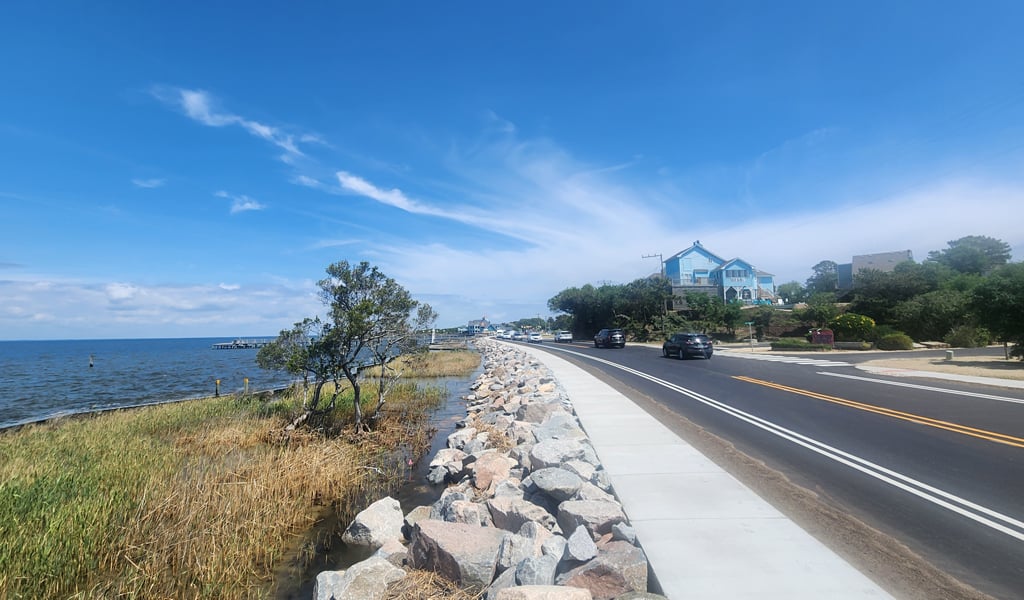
697	247
736	261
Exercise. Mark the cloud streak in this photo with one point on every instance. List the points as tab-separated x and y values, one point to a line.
149	183
200	106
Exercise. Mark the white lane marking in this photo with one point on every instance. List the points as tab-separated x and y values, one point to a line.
925	387
951	502
798	360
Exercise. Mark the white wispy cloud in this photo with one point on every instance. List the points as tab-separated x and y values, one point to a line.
149	183
563	223
200	106
69	309
240	203
229	286
245	203
334	243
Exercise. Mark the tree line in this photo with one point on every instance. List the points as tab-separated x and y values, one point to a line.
967	294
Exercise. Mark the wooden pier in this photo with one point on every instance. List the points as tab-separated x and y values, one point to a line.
241	344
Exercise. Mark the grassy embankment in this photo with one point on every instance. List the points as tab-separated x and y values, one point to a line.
193	499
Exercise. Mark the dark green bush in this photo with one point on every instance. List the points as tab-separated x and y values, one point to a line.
798	344
966	336
895	341
880	331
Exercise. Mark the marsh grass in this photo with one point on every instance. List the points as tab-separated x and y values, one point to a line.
196	499
442	363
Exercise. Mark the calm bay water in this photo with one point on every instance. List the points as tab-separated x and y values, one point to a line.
42	379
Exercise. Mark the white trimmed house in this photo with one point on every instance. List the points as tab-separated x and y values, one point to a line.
697	269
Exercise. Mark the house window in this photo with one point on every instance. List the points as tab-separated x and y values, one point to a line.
737	273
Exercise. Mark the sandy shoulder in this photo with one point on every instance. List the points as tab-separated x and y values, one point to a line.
976	366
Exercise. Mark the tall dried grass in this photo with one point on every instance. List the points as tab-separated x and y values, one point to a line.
191	500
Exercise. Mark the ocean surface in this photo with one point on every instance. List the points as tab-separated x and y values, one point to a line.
44	379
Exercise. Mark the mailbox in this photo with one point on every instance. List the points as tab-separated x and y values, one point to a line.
822	336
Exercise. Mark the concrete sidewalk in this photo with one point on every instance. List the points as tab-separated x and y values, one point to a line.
706	535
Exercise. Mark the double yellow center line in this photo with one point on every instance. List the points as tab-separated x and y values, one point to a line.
991	436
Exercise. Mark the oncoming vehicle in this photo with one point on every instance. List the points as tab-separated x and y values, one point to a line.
534	338
610	338
683	345
563	336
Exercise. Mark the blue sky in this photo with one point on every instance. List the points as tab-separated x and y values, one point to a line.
190	169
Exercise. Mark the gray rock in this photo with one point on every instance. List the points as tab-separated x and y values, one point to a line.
506	580
441	510
468	512
560	426
557	483
597	516
552	452
417	514
366	580
459	438
513	549
462	553
580	547
554	546
622	532
539	570
511	513
543	592
376	524
537	412
508	488
393	551
618	569
581	468
589	491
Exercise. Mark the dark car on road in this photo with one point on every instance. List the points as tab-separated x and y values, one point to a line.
610	338
682	345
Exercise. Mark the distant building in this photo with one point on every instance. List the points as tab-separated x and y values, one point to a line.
478	326
697	269
881	261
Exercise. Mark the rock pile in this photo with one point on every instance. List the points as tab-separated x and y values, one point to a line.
528	511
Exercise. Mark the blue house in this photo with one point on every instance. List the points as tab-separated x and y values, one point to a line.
697	269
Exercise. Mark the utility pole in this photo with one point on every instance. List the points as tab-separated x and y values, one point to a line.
750	328
664	305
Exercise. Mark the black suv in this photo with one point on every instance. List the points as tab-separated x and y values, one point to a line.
610	338
688	344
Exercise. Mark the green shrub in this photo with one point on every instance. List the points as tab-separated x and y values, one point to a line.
895	341
967	336
798	344
851	327
880	331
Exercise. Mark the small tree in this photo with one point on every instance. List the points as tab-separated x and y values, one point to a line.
368	311
820	309
998	303
305	351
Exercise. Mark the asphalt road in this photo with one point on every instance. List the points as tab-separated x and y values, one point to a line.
939	466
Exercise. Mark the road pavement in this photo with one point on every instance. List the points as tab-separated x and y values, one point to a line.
935	464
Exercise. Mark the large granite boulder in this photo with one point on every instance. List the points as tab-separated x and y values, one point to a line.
490	469
559	484
543	592
511	513
596	515
618	569
465	554
378	523
366	580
